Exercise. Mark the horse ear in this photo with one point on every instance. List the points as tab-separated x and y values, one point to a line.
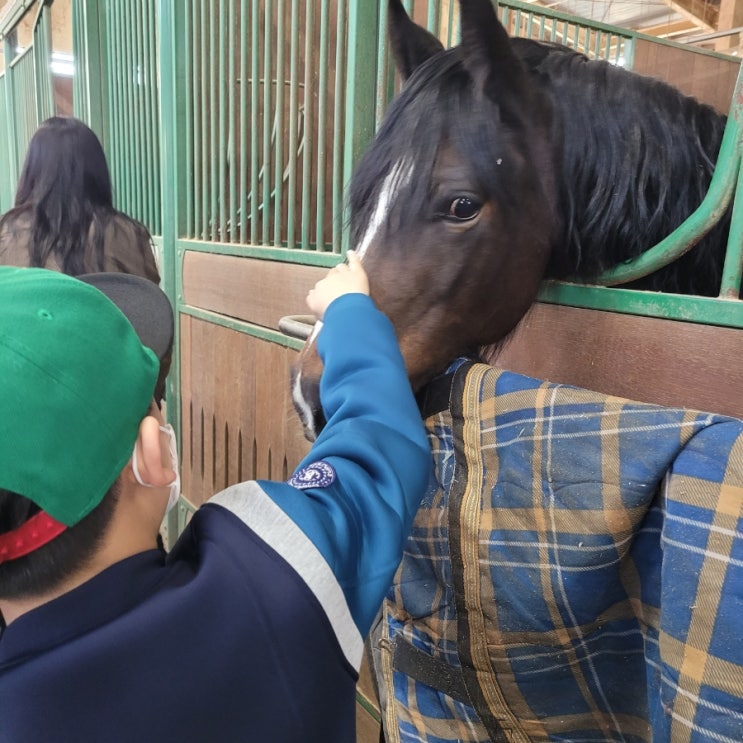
486	49
411	44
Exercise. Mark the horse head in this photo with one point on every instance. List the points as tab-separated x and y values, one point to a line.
454	205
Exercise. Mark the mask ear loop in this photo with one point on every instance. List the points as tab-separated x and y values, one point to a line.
173	459
175	486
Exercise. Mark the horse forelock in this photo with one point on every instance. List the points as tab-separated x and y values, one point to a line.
439	106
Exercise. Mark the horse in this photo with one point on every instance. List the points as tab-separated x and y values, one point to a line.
505	161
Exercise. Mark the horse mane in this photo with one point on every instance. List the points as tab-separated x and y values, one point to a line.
440	104
637	159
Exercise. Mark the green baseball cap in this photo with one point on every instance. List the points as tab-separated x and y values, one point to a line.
77	379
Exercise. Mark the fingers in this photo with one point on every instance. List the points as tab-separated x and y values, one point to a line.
344	278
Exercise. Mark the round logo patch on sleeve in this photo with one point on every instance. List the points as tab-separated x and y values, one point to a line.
315	475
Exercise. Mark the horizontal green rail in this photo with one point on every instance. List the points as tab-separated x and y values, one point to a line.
702	310
283	254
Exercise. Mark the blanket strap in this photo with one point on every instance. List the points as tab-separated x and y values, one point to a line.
473	684
419	665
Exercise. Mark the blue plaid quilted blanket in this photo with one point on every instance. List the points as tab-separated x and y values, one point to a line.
575	573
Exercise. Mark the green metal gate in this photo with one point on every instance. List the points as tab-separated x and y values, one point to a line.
232	128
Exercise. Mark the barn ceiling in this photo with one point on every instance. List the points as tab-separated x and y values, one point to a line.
679	20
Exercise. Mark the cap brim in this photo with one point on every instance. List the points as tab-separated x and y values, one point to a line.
143	303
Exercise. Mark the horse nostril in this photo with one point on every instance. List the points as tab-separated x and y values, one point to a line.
319	421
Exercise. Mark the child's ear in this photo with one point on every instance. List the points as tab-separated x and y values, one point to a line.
150	454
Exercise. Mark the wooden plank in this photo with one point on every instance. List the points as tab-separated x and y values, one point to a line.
249	289
238	422
646	359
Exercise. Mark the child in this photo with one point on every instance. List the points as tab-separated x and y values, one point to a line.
251	629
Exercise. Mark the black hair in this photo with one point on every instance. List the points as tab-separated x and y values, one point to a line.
65	188
45	568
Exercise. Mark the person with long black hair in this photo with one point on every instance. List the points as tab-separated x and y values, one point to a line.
63	218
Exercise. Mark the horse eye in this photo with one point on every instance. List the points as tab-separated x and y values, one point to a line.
463	209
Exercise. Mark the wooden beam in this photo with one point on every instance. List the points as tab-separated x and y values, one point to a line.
669	30
699	12
730	16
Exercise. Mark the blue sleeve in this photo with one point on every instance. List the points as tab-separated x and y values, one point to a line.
376	446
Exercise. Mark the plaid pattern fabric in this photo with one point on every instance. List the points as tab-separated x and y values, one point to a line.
577	569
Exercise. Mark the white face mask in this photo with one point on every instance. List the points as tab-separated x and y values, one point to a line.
175	486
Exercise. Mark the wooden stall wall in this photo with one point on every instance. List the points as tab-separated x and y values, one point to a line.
667	362
237	417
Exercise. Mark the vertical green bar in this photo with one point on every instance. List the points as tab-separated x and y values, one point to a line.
628	52
214	153
232	124
322	127
267	121
733	267
255	121
203	154
140	163
310	129
173	82
280	123
155	88
116	106
90	92
244	215
120	69
188	93
360	82
79	62
338	133
293	124
450	34
128	74
222	118
432	20
385	75
132	164
10	108
6	181
42	62
151	165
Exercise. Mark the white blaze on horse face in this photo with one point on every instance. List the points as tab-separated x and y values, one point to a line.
399	176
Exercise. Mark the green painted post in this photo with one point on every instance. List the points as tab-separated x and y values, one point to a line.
13	171
42	63
360	121
173	86
90	66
